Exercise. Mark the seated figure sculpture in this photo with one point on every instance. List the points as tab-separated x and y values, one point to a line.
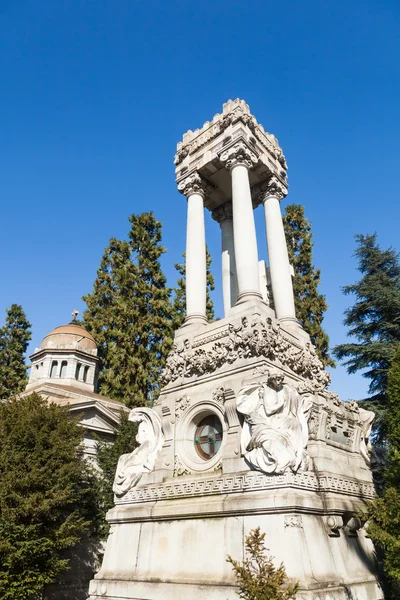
275	431
132	466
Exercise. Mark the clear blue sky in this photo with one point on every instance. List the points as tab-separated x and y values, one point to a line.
96	94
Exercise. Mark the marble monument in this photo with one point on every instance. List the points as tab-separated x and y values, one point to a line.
245	432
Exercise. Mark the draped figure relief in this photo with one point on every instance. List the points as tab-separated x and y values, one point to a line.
275	430
150	438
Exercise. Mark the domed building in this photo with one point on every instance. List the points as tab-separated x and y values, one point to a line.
65	370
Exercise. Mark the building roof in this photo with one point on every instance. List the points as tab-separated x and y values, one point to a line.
68	335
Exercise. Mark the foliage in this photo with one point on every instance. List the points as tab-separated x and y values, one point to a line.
310	305
374	321
107	458
384	512
257	577
14	339
46	496
129	314
179	301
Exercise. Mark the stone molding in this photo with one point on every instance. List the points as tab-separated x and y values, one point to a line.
193	184
247	482
223	213
238	154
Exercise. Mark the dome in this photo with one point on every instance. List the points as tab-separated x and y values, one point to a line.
69	335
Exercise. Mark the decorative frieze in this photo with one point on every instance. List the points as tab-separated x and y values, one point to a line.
246	482
260	339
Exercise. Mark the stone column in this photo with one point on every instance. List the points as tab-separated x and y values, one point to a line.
281	278
196	273
239	159
223	215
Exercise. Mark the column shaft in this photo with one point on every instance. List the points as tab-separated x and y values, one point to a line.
281	279
196	277
246	255
229	283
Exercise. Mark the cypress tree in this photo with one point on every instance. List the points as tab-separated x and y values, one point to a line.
14	339
47	503
384	512
129	314
179	300
310	305
374	322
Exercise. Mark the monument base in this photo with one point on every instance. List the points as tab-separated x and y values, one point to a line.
170	541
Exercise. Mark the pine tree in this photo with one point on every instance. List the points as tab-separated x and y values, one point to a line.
374	321
257	577
384	512
129	314
46	499
310	305
14	339
179	300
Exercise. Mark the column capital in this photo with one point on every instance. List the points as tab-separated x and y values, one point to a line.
223	213
239	154
193	184
273	188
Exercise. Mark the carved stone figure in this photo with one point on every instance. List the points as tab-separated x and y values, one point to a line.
150	438
275	431
366	418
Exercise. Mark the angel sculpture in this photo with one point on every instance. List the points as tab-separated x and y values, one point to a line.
275	430
132	466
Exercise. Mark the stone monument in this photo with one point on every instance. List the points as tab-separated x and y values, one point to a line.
244	433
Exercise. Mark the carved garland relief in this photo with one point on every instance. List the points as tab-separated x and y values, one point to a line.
244	341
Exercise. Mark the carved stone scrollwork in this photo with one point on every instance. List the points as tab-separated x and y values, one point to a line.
333	524
179	468
239	154
293	521
181	405
222	213
132	466
275	431
219	394
193	184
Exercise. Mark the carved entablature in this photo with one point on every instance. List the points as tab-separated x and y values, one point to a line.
235	113
244	340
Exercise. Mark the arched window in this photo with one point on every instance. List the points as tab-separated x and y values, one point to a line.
85	373
63	370
78	370
54	369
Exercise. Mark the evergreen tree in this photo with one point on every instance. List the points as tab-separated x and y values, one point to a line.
107	458
46	498
257	576
374	321
14	339
129	314
179	301
310	305
384	512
